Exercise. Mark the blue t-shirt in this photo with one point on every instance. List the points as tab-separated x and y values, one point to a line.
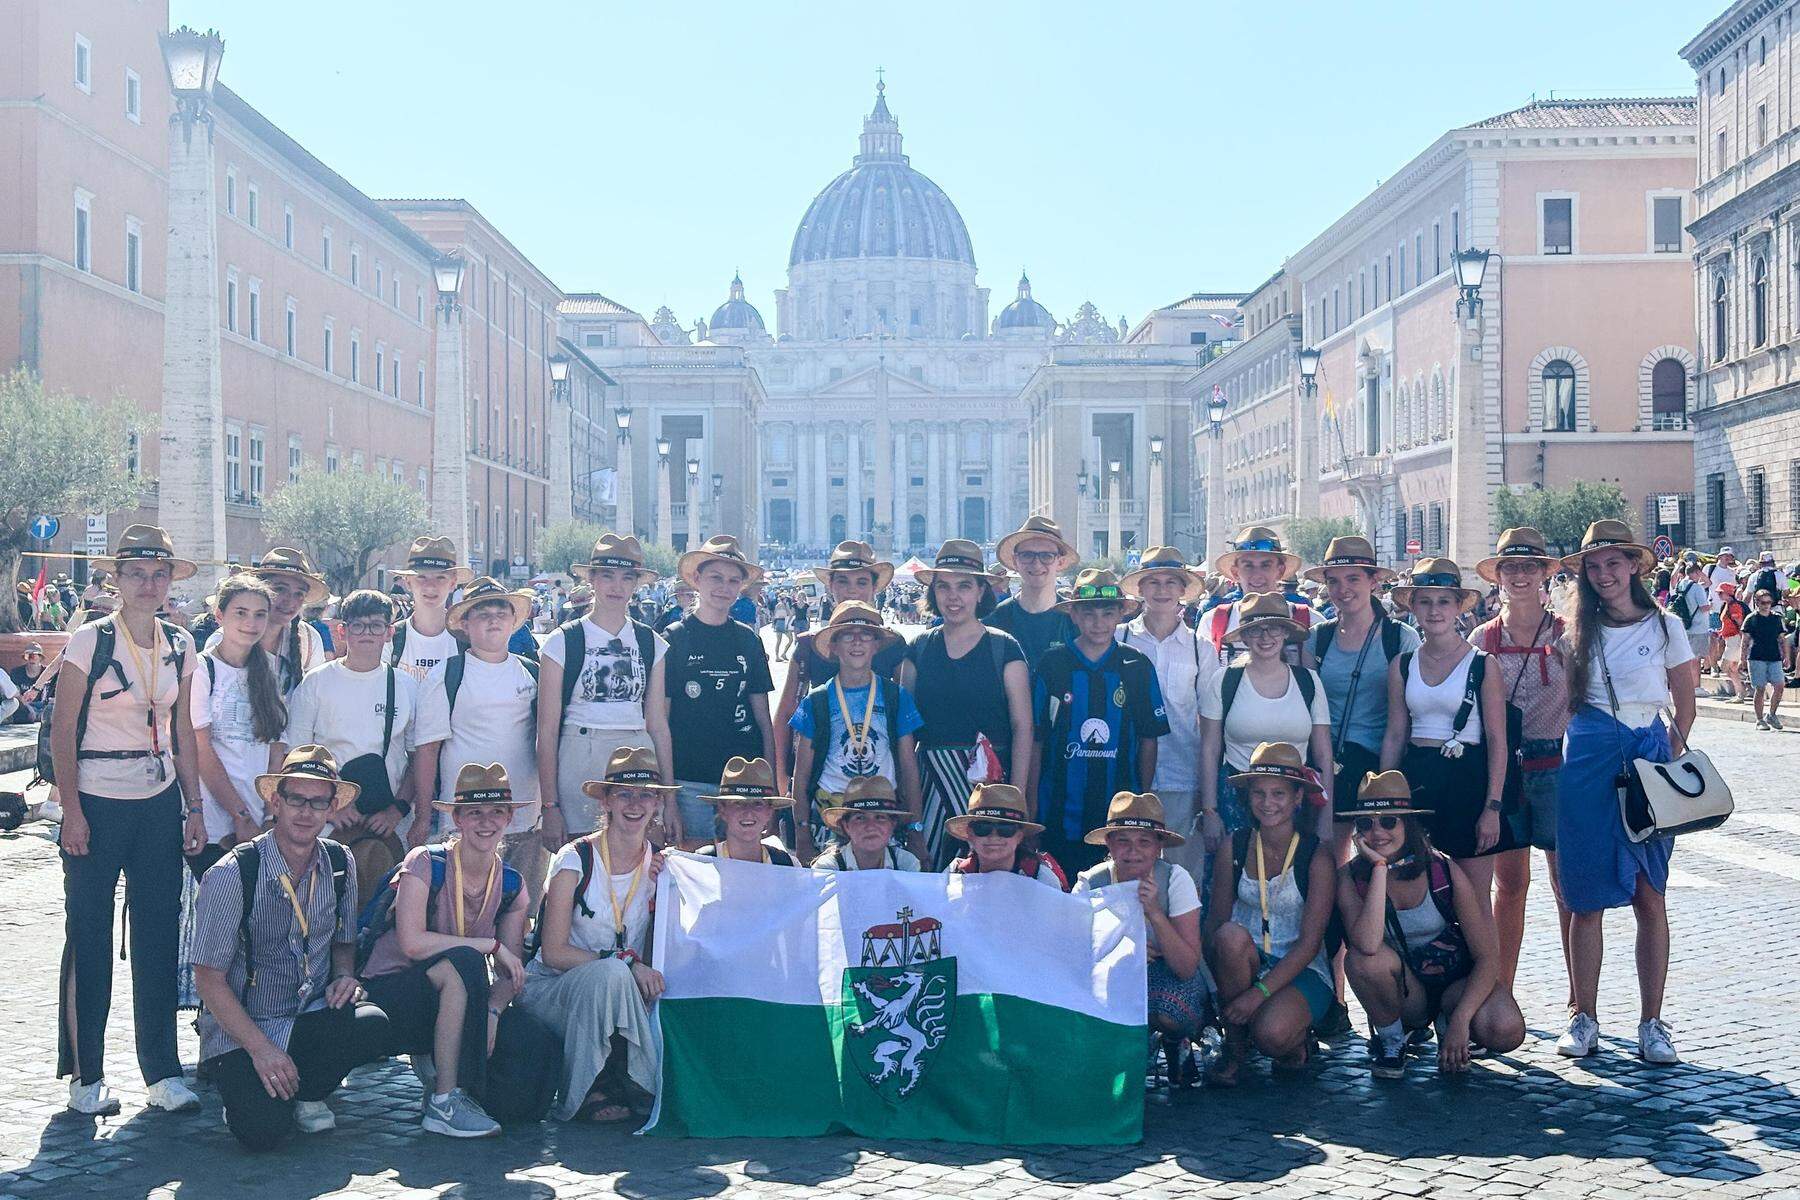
1364	721
1090	717
744	609
843	762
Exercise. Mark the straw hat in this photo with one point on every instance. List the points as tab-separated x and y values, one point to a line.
1134	810
479	785
1605	535
720	547
285	562
1282	761
1435	575
480	592
1351	551
1165	560
1257	539
629	766
856	556
852	613
1263	608
580	595
1387	794
1098	585
145	542
1037	527
616	550
866	794
1000	802
749	779
958	556
1523	544
435	555
309	762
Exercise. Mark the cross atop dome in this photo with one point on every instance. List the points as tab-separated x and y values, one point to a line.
881	132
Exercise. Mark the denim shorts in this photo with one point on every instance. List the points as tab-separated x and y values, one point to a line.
1766	674
1539	798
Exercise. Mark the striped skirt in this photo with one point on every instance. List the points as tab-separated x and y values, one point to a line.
944	780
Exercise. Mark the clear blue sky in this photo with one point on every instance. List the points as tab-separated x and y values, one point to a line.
1128	154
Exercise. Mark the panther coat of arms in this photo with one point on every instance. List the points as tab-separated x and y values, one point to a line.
898	1004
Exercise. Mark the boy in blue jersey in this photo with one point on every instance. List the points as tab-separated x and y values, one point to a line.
1098	714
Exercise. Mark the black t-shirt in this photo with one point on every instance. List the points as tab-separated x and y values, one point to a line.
960	697
1764	633
1035	632
710	673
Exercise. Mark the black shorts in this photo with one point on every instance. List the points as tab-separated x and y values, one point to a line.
1353	762
1454	790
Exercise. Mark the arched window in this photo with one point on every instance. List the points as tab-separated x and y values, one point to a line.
781	521
1668	394
915	531
1559	396
1718	319
1759	301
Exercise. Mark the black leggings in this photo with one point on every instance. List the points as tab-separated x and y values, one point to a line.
325	1046
411	1003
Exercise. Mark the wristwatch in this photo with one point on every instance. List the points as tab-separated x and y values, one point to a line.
1495	805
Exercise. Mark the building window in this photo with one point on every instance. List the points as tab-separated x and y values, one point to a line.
1756	500
293	330
134	96
231	301
234	466
84	231
1389	264
1762	126
1558	225
1759	301
84	64
1418	259
1668	394
419	305
1719	163
1665	224
328	359
1718	318
231	191
1719	83
331	460
1715	504
1437	248
355	357
378	279
325	248
421	385
380	364
253	205
287	226
255	300
296	451
1559	396
256	464
1762	51
355	267
396	383
134	255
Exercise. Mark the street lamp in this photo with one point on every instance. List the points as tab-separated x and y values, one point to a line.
192	59
1471	269
1114	518
622	415
693	468
1156	448
1081	481
1309	368
662	450
559	368
718	482
447	273
1154	533
693	503
1215	410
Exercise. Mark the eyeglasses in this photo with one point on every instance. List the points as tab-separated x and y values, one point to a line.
1036	556
1105	591
1365	824
366	628
319	804
1443	581
991	829
854	634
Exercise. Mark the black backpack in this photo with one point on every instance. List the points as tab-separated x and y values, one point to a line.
1390	637
248	857
1234	679
397	646
575	650
584	854
106	634
377	916
1303	857
458	664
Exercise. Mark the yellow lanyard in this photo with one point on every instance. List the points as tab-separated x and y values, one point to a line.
300	910
1262	883
724	851
147	680
859	735
462	927
619	910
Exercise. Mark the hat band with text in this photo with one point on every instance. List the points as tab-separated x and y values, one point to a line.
608	560
633	776
954	561
142	552
997	814
870	803
1532	551
849	564
429	562
1135	823
1349	560
313	769
1275	769
746	791
485	795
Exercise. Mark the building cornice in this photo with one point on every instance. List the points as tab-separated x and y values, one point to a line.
1726	28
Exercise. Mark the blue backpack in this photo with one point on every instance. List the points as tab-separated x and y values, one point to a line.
377	916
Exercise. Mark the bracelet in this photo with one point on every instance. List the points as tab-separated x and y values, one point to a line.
494	1012
193	810
1262	987
627	956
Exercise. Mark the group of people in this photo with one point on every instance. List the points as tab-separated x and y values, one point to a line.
436	846
1743	625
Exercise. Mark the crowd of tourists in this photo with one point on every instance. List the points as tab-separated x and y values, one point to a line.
427	843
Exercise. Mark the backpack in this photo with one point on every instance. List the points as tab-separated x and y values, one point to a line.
1234	678
248	858
1679	604
1303	857
819	701
575	650
1390	637
585	856
1221	621
397	646
458	664
1101	875
996	648
1439	888
377	916
1514	785
105	659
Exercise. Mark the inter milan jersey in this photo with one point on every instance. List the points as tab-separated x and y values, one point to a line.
1091	716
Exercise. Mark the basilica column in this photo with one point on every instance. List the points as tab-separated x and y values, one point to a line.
998	524
934	484
803	485
899	453
884	483
853	478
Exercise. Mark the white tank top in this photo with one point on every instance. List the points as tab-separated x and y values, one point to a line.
1434	709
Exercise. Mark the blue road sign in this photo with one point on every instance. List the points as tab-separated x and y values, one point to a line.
45	527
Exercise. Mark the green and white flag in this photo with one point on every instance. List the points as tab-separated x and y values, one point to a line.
893	1004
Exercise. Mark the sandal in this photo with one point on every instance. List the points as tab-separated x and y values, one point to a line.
1223	1070
602	1110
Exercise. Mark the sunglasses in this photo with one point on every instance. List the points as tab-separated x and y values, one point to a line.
1441	581
991	829
1106	591
1265	544
1365	824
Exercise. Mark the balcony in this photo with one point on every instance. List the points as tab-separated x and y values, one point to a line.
1368	467
1099	511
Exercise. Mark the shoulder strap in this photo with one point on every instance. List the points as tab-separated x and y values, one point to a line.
1303	679
248	857
1228	690
584	854
212	671
890	701
1405	661
339	858
1303	856
818	700
574	654
440	869
1240	854
1471	693
1390	637
105	642
387	718
996	652
398	643
171	634
646	644
1327	635
454	667
1442	893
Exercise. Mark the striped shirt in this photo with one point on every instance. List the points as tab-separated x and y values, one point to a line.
291	970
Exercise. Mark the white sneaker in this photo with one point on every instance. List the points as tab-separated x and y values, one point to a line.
1655	1045
313	1116
173	1095
1581	1039
95	1099
51	811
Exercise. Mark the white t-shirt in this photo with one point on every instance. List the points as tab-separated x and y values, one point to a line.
1183	896
494	721
609	692
1184	670
1723	574
1640	657
219	702
312	651
1254	719
343	711
595	934
421	652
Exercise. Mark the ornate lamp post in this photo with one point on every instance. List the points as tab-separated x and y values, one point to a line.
718	492
664	505
1114	538
1471	269
1154	535
624	517
1083	482
693	503
1215	472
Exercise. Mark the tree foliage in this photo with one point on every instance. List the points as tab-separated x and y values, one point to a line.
1309	536
343	519
1562	515
573	542
60	455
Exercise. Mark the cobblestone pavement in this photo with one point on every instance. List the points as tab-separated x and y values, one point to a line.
1727	1121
